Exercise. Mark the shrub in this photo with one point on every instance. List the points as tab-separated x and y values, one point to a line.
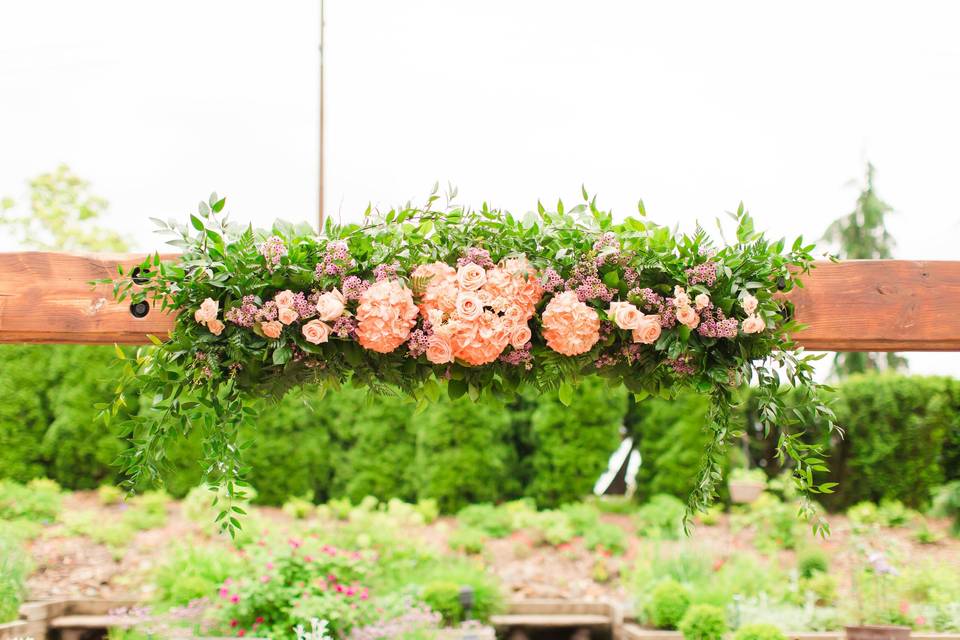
759	631
193	571
39	500
823	586
946	504
428	508
467	540
703	622
299	508
109	494
572	445
583	516
661	517
147	511
605	536
668	603
440	586
552	528
496	523
14	568
812	561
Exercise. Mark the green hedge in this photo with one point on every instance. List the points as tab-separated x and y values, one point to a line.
902	439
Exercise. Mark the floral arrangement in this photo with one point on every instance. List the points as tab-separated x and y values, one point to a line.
466	302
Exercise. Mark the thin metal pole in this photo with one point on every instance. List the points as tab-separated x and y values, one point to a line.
321	168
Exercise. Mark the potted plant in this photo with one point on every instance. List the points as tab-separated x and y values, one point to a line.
871	587
746	485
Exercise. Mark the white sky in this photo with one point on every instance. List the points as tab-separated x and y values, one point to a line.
692	106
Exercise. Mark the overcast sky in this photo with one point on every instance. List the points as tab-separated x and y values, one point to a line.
692	106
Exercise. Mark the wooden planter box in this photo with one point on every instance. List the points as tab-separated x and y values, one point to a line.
577	614
636	632
744	491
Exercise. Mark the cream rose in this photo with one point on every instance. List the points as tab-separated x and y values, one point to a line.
686	315
520	336
471	276
702	301
469	306
625	315
284	299
648	331
331	305
435	317
439	350
749	304
287	315
215	326
680	297
208	311
316	332
271	329
753	324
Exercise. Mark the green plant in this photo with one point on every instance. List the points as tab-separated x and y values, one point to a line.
440	585
298	507
583	516
925	535
811	561
605	536
741	474
759	631
668	603
147	511
429	509
39	500
191	571
551	527
109	494
711	517
467	540
823	586
703	622
496	523
946	504
661	517
14	568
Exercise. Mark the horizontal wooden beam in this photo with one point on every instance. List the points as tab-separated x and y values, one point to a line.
860	305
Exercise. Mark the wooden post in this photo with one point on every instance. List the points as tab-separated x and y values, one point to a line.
860	305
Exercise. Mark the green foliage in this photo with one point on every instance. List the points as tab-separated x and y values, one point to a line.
191	571
298	507
496	523
440	586
114	533
661	518
759	631
668	604
861	235
946	504
812	561
108	495
552	528
606	536
572	444
147	511
467	540
583	516
703	622
39	500
14	568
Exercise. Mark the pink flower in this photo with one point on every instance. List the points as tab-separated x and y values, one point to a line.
469	305
680	297
749	304
482	340
570	327
441	290
649	330
287	315
753	324
520	336
234	599
702	301
439	350
385	316
208	311
625	315
331	305
471	276
215	326
284	299
686	315
271	329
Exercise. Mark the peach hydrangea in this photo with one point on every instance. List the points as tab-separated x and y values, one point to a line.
441	290
481	341
570	327
385	316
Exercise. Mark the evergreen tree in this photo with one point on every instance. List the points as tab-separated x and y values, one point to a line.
862	235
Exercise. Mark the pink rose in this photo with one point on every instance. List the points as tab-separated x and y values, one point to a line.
287	315
331	305
649	330
680	297
686	315
471	276
624	314
215	326
439	350
749	304
271	329
284	299
469	306
702	301
316	332
435	317
753	324
520	336
208	311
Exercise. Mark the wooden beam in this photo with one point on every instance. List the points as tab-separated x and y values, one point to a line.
861	305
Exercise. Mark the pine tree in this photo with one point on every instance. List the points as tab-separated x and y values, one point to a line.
861	235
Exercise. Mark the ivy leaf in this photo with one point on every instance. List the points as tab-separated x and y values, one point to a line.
282	355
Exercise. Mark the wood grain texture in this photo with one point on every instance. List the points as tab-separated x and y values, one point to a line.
47	298
860	305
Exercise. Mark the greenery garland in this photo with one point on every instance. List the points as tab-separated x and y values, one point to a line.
463	302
